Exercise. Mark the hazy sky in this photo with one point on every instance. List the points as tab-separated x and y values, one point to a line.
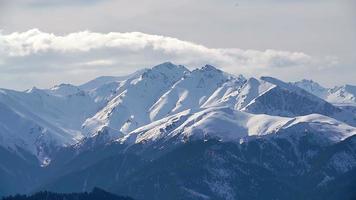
46	42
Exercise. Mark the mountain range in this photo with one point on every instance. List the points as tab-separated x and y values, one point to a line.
168	132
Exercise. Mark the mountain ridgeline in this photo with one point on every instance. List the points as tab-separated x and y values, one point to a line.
167	132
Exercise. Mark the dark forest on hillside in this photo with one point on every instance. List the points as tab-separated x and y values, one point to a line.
96	194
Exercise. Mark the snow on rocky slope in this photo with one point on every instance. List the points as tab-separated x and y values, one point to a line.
339	95
102	80
227	124
192	91
129	109
345	94
284	99
143	99
44	119
169	101
312	87
25	124
41	120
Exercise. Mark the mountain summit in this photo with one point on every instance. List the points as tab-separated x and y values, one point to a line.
204	132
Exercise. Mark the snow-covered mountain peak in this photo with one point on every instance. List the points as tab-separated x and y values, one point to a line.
309	83
210	98
102	80
286	99
157	119
345	94
338	95
166	71
168	66
210	68
312	87
277	82
192	91
253	81
37	91
129	108
205	77
345	88
293	87
64	90
208	71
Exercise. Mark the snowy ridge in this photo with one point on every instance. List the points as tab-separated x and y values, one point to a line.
313	88
167	102
64	90
128	110
189	108
227	124
345	94
102	80
191	91
339	95
221	123
22	128
284	99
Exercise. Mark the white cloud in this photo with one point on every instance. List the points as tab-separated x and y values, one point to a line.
34	52
97	63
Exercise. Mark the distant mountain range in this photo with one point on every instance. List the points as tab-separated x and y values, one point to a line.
171	133
343	95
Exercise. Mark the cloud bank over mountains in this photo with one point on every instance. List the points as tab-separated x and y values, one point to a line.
42	59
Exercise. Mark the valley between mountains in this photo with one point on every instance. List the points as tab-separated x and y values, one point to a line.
168	132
